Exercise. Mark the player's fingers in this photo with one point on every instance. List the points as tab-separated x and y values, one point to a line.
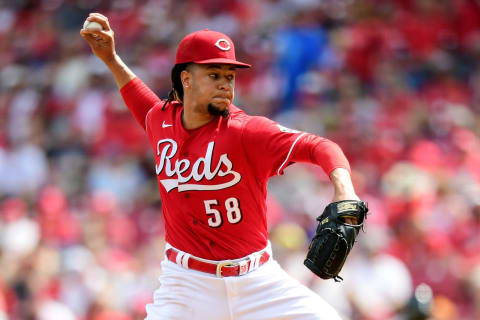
97	40
351	220
100	18
97	34
90	39
97	14
87	35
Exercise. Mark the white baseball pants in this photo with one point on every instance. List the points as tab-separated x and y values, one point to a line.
267	293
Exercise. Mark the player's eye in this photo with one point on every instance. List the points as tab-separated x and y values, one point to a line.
231	77
213	75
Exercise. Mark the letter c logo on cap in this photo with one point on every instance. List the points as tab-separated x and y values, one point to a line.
223	44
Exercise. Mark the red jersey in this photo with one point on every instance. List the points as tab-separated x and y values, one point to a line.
213	179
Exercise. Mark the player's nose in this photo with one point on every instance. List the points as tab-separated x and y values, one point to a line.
225	84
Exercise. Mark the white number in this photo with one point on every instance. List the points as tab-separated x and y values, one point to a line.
234	214
216	220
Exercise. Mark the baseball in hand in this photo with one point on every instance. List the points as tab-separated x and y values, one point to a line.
92	25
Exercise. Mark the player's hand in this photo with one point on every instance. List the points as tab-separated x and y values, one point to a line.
340	196
347	219
351	220
101	41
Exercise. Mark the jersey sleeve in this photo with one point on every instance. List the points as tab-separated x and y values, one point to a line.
271	147
321	151
139	99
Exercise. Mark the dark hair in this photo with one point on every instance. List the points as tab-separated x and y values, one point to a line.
177	87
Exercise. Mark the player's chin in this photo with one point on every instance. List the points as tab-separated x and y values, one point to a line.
217	109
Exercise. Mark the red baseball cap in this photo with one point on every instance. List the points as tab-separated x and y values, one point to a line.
207	46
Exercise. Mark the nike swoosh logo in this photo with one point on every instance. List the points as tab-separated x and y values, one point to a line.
164	125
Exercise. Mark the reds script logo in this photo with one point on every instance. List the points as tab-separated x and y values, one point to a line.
166	150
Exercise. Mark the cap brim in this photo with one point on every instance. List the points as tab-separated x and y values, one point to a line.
224	61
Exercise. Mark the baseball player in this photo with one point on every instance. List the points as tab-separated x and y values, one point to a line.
212	162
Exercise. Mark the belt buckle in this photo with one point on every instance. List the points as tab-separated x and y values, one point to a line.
243	267
222	264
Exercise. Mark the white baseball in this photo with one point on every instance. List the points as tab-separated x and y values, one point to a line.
92	25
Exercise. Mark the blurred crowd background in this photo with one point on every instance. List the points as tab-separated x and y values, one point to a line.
396	83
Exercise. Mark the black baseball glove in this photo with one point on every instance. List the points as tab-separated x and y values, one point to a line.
334	238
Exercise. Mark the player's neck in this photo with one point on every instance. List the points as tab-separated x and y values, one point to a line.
192	119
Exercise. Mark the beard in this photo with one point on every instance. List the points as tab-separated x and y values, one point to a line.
215	111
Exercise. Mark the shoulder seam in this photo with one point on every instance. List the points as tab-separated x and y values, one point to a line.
290	152
150	110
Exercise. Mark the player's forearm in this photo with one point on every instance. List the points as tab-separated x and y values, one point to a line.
120	71
342	185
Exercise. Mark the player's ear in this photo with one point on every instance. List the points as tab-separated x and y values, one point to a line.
186	78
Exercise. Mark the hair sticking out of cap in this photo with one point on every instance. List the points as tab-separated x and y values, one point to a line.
176	93
170	98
